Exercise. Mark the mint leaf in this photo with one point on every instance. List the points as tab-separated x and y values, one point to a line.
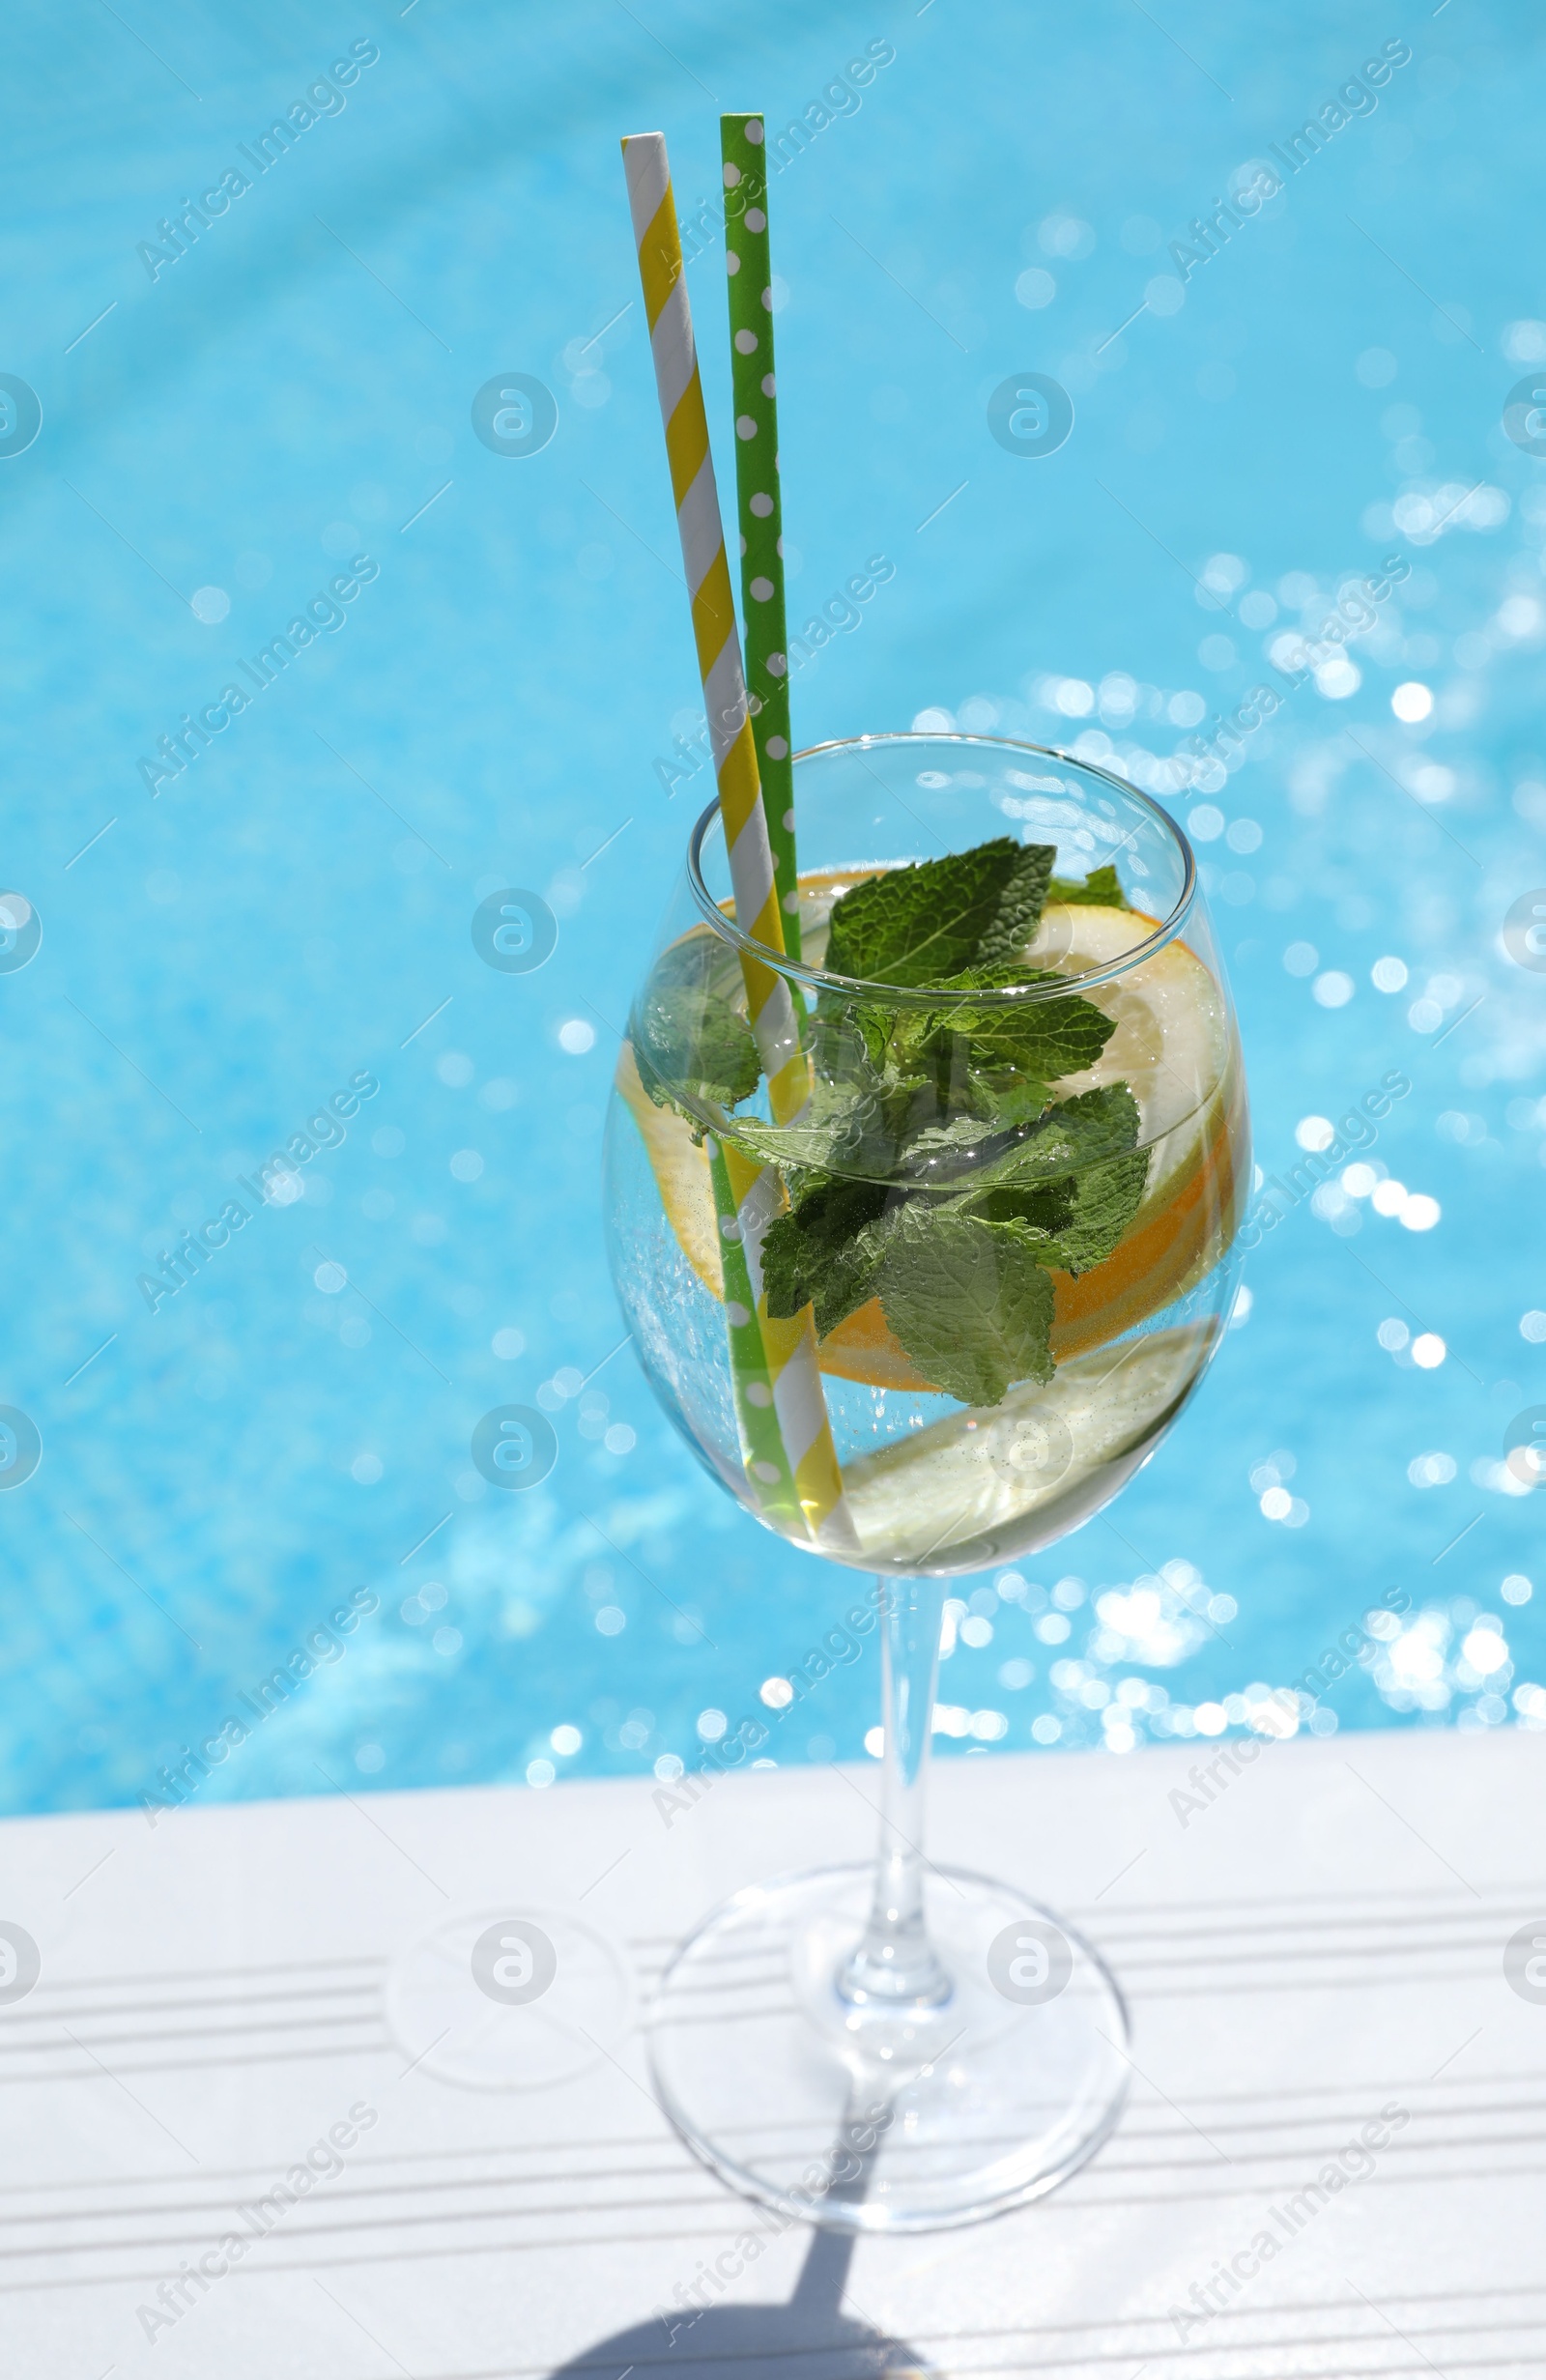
1106	1199
1078	1132
846	1042
847	1136
1078	1178
1036	1039
825	1251
1082	1216
1099	890
1047	1208
968	1301
689	1043
940	1152
924	923
1020	903
1004	1100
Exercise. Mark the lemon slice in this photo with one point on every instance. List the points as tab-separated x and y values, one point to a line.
1173	1044
985	1485
680	1167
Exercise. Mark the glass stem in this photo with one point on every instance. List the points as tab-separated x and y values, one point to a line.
895	1965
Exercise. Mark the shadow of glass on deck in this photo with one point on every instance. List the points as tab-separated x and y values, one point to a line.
809	2338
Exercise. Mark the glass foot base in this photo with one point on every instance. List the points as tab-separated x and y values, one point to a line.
866	2118
508	1999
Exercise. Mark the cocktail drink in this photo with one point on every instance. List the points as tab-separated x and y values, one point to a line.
1007	1205
924	1167
923	1278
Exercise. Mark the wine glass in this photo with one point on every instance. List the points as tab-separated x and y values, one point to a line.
1010	1182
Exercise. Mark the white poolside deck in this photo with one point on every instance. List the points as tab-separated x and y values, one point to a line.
1324	1939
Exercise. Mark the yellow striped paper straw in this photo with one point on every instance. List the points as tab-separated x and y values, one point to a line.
789	1347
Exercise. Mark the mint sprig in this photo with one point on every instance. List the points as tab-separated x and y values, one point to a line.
1059	1198
934	1166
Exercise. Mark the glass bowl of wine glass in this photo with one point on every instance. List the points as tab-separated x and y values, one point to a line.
923	1238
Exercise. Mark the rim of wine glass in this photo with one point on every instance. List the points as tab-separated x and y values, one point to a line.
818	979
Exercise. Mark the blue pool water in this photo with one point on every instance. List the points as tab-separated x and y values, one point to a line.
223	434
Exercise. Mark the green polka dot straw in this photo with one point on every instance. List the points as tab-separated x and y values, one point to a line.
757	482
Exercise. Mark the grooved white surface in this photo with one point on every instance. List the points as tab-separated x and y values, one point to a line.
1328	1937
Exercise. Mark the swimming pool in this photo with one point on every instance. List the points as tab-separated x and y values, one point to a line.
272	944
